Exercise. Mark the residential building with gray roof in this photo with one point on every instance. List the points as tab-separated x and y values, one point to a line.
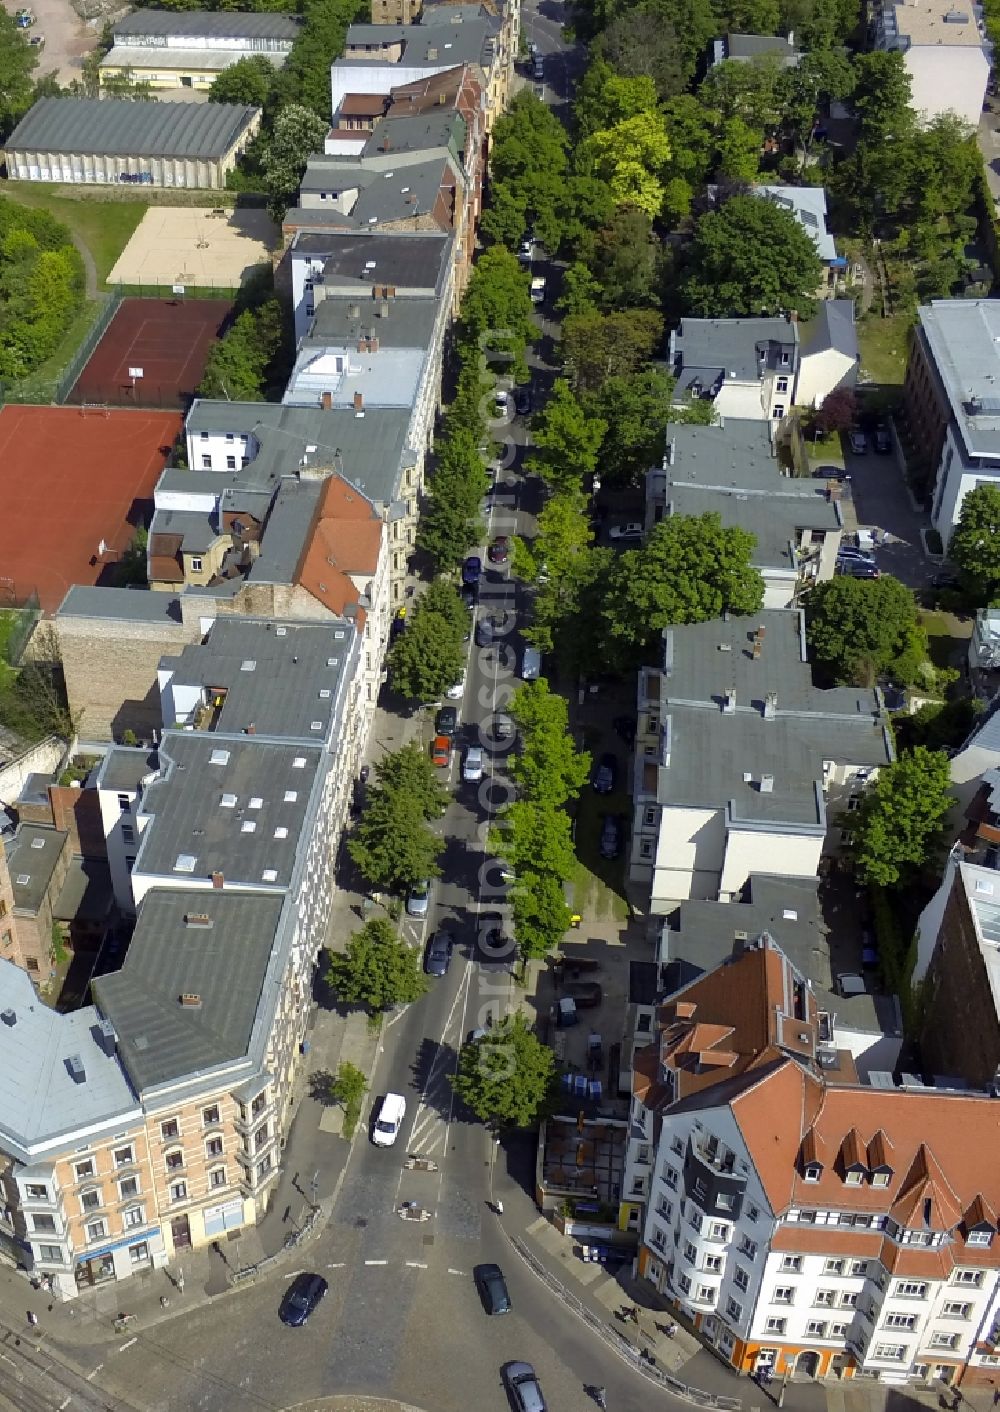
745	367
377	272
740	759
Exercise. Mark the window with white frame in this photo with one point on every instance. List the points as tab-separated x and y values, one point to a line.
705	1295
719	1231
748	1248
43	1222
36	1192
953	1309
911	1289
838	1330
940	1340
139	1253
664	1208
890	1352
825	1297
813	1172
178	1191
791	1262
783	1294
696	1220
968	1277
690	1254
979	1237
91	1199
213	1147
123	1156
859	1267
84	1170
833	1267
211	1116
900	1321
712	1263
848	1298
685	1284
128	1187
97	1230
174	1161
670	1177
133	1217
217	1177
815	1328
774	1326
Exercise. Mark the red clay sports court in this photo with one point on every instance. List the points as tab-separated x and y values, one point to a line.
167	339
68	480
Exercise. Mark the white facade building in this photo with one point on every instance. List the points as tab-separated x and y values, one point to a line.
946	54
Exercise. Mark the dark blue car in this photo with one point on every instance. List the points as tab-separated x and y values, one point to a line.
301	1298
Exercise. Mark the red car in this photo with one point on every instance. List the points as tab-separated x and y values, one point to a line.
441	751
498	550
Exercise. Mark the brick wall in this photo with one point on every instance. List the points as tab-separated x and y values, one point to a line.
110	670
961	1032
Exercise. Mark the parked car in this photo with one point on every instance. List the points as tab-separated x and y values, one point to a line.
538	290
472	766
388	1120
437	956
484	631
446	721
419	899
457	690
586	995
501	402
531	664
625	729
611	836
881	440
565	1013
301	1298
492	1289
605	774
472	569
499	550
527	251
524	1388
632	530
859	443
522	400
848	551
857	569
538	67
441	751
470	594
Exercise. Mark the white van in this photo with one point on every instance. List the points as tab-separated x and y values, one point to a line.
531	664
389	1120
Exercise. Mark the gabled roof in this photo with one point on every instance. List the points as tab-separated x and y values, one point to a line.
833	329
346	539
117	127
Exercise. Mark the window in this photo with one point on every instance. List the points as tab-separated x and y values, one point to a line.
123	1156
774	1326
217	1177
901	1321
791	1262
230	438
263	1168
128	833
944	1341
664	1209
712	1263
30	964
206	463
779	411
854	1177
685	1284
169	1130
97	1230
203	436
813	1172
968	1277
815	1328
696	1220
139	1253
979	1237
734	1311
124	803
848	1299
751	1213
808	1217
890	1352
230	463
725	1202
825	1297
749	1248
52	1253
133	1217
741	1279
43	1223
705	1295
878	1178
782	384
859	1267
128	1186
36	1193
213	1147
90	1200
838	1330
677	1146
195	565
690	1254
912	1289
178	1191
258	1105
174	1161
783	1294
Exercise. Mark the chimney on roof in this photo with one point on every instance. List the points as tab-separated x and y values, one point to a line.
729	701
190	1000
106	1037
355	311
326	401
251	729
770	705
757	648
77	1072
793	316
218	881
385	142
383	309
359	402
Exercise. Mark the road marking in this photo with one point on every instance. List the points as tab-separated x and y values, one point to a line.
376	1262
94	1373
455	1272
338	1266
65	1403
416	1265
127	1345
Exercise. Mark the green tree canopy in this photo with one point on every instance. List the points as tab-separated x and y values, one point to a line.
391	843
304	79
298	133
628	260
18	61
541	914
528	174
974	546
450	523
858	629
642	43
691	568
430	655
567	440
508	1077
549	770
41	287
600	346
750	257
249	80
377	969
631	158
636	410
251	358
497	313
900	822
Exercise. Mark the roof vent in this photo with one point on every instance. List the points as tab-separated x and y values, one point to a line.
23	879
770	705
9	1017
741	936
76	1070
190	1000
729	701
38	843
106	1037
197	919
219	757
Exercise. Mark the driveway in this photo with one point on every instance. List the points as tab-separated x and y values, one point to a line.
881	500
67	38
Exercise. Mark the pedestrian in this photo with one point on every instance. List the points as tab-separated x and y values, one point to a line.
996	1396
32	1318
498	1207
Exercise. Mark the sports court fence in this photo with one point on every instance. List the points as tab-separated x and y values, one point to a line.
18	616
169	291
91	339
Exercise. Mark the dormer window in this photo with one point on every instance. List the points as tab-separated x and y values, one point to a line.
854	1176
881	1177
982	1235
813	1172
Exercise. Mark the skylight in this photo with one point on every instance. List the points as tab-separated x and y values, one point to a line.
185	863
219	757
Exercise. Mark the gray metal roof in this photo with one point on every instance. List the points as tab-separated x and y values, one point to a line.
774	517
412	260
397	323
196	529
383	196
298	675
215	24
287	531
417	132
832	328
86	894
445	37
115	127
32	857
371	448
125	767
963	339
737	454
149	56
755	46
223	961
40	1099
389	377
131	605
708	351
716	759
230	806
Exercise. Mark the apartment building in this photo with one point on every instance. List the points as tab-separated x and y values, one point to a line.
946	53
184	53
747	368
731	470
373	271
951	400
741	764
808	1223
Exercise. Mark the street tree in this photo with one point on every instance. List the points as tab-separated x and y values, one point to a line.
628	261
528	172
748	257
636	410
567	440
642	43
549	769
376	970
541	914
407	772
535	837
496	315
249	81
507	1077
392	845
900	824
974	546
426	658
450	523
598	346
857	629
691	568
580	291
630	157
298	133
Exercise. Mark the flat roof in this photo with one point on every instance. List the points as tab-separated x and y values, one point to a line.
341	321
953	23
124	767
734	455
32	857
87	893
963	337
411	260
131	605
389	377
773	517
193	529
213	24
115	127
154	56
213	947
235	806
278	677
45	1094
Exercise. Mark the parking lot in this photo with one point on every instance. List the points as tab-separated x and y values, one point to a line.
67	37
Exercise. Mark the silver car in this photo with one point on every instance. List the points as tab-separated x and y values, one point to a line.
472	766
418	900
524	1388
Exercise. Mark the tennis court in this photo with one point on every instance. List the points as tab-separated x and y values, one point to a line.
74	486
153	353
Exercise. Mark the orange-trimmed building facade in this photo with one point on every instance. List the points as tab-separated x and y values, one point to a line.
805	1222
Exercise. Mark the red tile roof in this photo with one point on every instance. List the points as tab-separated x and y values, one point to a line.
346	539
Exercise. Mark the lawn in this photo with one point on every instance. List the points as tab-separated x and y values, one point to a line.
598	887
947	638
884	344
105	227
